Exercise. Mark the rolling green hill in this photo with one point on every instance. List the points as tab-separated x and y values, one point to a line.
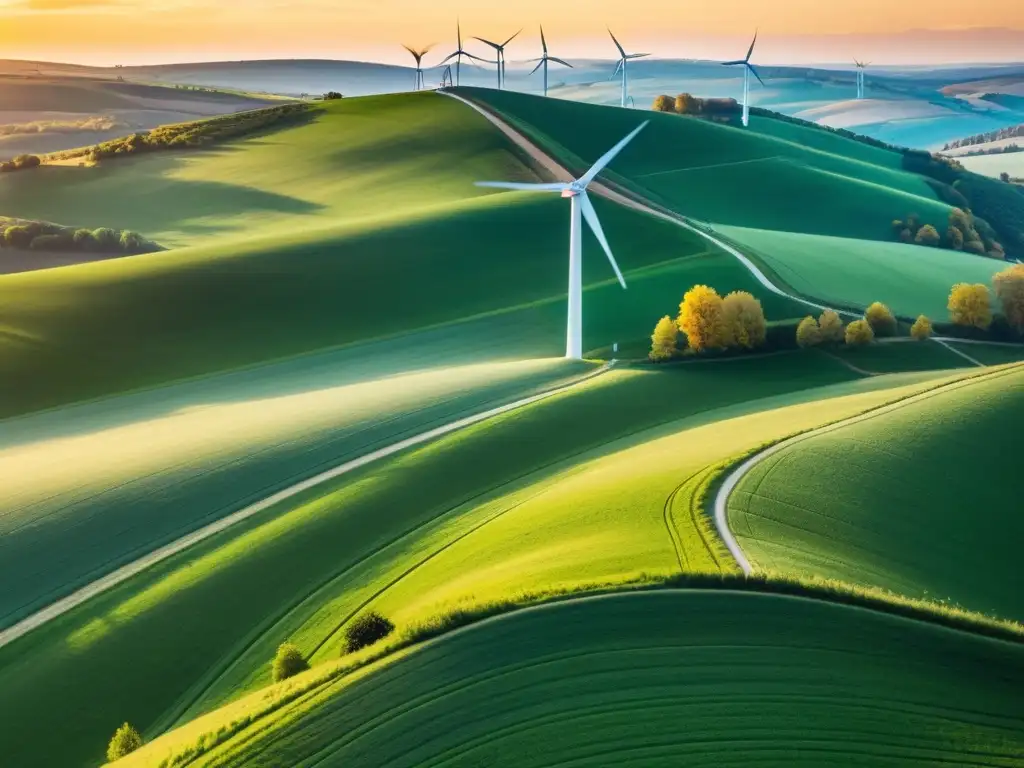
919	499
723	678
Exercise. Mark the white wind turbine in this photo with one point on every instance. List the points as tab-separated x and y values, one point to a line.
543	60
623	59
861	84
748	69
418	55
500	50
458	53
582	208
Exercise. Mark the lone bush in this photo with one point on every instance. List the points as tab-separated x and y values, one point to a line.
700	318
743	323
664	340
859	333
808	334
288	662
831	328
366	630
970	305
921	329
1009	287
125	741
880	319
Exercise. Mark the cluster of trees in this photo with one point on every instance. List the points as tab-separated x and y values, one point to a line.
710	322
964	232
44	236
970	305
331	96
20	163
878	321
687	104
1011	132
190	135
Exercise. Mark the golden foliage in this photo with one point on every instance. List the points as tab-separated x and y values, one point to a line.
808	334
700	318
664	339
743	323
664	104
880	319
125	741
859	333
1009	285
831	328
970	305
921	329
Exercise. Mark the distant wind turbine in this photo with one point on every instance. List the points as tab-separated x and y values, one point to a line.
861	84
418	54
624	58
446	77
458	53
545	59
748	69
500	50
576	191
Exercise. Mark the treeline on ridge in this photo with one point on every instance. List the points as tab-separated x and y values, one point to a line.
1011	132
29	235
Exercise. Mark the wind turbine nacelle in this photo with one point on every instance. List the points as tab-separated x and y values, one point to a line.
571	192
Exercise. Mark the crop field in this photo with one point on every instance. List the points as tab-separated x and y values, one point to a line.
913	499
722	174
645	677
404	533
994	165
910	279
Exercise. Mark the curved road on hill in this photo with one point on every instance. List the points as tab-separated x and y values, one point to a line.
126	572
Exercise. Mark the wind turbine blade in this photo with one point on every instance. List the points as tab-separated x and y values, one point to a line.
622	51
543	42
511	39
754	73
554	187
752	44
477	58
541	64
608	156
733	63
559	61
590	215
637	55
495	46
618	67
458	31
449	57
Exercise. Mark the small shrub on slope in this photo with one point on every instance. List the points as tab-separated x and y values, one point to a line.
1009	285
366	630
921	329
927	235
970	305
881	319
664	340
743	323
125	741
700	318
859	333
808	334
664	104
288	662
831	328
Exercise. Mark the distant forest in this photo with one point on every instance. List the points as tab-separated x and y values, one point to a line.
1012	132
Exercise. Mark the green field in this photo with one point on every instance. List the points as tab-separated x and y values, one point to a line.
991	354
910	279
919	499
994	165
910	356
724	678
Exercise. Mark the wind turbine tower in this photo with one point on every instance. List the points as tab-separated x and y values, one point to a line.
458	53
545	59
623	60
861	78
418	55
581	209
748	70
500	50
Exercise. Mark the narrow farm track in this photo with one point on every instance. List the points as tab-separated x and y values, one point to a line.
561	173
737	475
126	572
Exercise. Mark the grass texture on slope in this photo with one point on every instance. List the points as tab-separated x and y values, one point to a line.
710	678
845	272
922	499
94	329
728	175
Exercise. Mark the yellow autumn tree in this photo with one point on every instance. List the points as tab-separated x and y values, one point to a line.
880	319
921	329
700	318
859	333
831	328
1009	285
970	305
743	323
808	334
664	339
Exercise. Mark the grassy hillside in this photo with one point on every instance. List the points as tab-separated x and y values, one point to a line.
408	532
919	499
846	272
771	177
720	677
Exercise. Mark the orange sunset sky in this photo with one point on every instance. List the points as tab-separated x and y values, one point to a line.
793	31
